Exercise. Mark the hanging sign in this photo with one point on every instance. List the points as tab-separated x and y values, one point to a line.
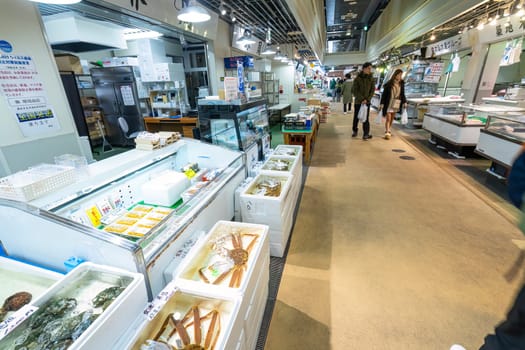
25	94
433	72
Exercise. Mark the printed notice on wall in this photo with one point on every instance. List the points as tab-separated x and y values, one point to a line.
21	86
230	88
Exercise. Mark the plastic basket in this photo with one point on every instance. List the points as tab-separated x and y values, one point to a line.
36	181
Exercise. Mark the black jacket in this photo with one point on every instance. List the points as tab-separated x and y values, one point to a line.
363	88
387	95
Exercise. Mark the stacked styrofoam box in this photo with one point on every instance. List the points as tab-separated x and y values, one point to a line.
290	150
174	301
276	212
253	288
83	283
294	167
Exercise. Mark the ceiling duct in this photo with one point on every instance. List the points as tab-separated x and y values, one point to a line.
69	31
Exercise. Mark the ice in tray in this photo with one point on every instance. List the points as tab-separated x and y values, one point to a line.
69	309
288	150
279	164
188	321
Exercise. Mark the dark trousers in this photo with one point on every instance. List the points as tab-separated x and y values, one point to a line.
349	107
366	125
509	335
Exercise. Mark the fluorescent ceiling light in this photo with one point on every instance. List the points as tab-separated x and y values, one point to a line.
58	2
132	34
193	13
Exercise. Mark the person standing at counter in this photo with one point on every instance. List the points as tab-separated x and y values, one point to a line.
392	100
332	88
346	91
363	91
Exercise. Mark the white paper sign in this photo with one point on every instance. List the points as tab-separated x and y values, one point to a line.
15	319
230	88
21	86
127	95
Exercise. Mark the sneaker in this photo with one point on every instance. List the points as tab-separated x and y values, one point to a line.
344	113
354	134
387	136
366	137
457	347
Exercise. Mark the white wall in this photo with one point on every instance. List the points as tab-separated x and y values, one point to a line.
16	151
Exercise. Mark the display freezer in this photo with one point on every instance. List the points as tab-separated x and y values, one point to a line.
457	128
73	221
501	141
87	309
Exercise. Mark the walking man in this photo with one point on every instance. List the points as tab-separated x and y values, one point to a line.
363	90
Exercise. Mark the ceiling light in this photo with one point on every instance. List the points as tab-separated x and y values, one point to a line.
193	13
481	25
246	38
432	37
232	17
268	50
278	55
58	2
222	9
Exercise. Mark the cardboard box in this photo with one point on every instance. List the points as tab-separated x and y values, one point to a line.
68	62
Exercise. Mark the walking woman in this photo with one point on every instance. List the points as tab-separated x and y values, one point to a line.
392	99
346	91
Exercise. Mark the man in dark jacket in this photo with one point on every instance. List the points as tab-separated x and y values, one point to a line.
363	91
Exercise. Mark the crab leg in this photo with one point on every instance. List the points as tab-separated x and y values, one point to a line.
197	325
164	326
222	277
236	241
211	328
250	246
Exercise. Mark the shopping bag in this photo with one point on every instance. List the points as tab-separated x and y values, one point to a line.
362	113
404	117
379	117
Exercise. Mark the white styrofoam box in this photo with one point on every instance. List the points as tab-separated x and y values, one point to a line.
257	298
17	276
259	208
165	189
83	284
279	239
283	165
206	260
237	198
177	302
290	150
253	325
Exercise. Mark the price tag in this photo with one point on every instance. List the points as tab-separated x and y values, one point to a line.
94	215
15	319
154	307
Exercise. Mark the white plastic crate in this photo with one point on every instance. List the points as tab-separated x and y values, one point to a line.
36	181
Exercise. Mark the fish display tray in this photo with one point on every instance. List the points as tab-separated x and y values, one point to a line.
36	181
51	325
172	305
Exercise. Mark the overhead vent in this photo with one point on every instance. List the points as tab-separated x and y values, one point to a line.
69	31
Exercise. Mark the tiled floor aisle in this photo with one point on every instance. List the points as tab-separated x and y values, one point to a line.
391	253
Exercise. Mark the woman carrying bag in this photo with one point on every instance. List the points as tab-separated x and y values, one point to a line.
392	100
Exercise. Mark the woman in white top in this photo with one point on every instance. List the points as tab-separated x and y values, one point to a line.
392	99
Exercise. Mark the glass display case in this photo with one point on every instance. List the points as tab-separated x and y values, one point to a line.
500	141
235	126
104	218
422	79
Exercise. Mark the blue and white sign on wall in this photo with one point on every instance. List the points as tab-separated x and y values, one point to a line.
5	46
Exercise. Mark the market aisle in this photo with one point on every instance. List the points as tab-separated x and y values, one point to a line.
389	253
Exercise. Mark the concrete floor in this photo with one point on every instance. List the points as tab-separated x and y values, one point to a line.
392	253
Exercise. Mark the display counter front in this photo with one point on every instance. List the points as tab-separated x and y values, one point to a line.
417	107
459	126
125	213
501	141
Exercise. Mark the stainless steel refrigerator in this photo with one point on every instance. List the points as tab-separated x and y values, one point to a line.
116	89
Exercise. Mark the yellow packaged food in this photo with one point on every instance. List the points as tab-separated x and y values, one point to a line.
116	228
126	221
